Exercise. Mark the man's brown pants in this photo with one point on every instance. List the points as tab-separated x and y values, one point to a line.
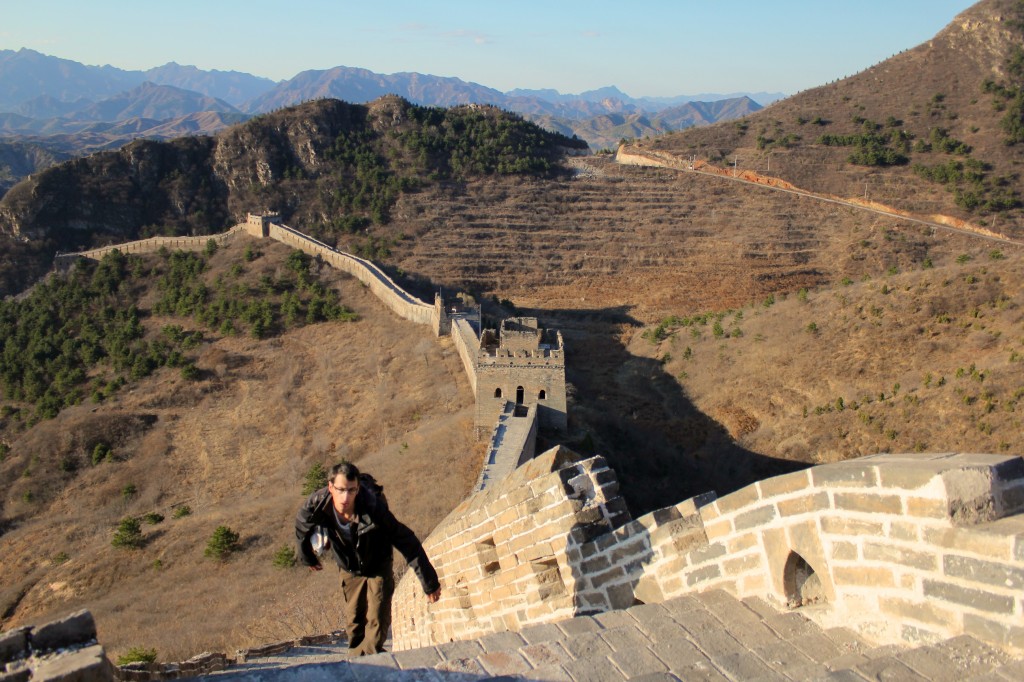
367	611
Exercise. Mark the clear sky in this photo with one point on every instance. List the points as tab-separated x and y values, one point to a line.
647	48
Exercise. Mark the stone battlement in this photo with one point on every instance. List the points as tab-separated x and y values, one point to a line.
902	548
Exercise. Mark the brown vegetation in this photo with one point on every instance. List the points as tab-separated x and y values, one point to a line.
234	448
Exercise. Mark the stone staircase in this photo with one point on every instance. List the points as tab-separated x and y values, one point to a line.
710	636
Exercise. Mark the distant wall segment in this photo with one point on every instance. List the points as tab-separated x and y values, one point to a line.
151	245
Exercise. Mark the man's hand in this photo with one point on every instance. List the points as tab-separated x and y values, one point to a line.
318	567
434	596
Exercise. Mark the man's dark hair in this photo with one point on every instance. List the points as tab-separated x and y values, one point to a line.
347	469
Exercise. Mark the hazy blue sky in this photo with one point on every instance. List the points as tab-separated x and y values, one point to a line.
652	48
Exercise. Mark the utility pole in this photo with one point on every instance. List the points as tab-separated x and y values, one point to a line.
735	165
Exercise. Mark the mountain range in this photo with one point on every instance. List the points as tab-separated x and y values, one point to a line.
67	108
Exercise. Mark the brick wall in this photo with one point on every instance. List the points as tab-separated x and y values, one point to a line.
503	555
903	548
151	245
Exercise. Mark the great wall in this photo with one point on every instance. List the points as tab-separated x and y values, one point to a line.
884	567
632	156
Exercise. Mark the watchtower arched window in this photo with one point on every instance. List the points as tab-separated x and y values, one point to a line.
520	393
497	392
542	395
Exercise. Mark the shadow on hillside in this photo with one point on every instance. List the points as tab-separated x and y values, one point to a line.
628	409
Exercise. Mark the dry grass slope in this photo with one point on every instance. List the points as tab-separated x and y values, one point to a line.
234	448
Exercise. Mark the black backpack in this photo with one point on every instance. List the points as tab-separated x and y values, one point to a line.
370	483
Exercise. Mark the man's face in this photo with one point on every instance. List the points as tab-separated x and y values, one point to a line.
344	492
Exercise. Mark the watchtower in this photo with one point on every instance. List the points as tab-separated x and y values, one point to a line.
523	364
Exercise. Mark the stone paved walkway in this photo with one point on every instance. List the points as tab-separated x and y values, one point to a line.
711	637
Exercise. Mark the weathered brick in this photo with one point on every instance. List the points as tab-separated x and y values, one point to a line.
691	506
632	550
709	512
754	517
926	508
844	475
718	529
752	584
869	503
969	540
873	551
615	574
843	526
906	476
503	663
425	657
987	572
782	485
598	563
743	564
977	599
707	553
703	574
743	497
804	504
845	551
904	530
917	610
994	632
867	576
742	542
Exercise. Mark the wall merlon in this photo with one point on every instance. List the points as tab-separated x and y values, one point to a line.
695	504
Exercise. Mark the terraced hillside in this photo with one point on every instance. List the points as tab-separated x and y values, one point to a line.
938	128
647	242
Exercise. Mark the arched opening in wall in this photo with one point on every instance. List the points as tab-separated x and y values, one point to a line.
802	585
542	395
520	394
497	392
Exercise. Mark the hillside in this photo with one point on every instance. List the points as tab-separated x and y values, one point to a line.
333	167
935	129
233	446
924	360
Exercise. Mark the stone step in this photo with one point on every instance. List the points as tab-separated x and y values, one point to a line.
708	636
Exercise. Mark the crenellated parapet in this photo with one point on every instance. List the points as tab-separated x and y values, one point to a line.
902	548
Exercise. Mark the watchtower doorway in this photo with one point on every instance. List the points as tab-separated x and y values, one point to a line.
520	395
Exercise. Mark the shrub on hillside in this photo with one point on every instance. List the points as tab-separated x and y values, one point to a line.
128	534
222	543
137	654
285	557
315	479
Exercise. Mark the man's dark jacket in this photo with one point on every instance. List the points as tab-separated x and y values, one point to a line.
376	532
